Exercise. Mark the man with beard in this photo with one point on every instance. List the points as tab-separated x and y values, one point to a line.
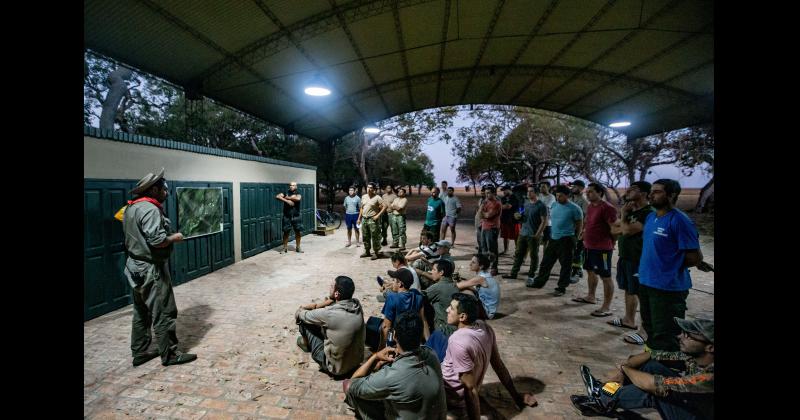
149	244
670	246
647	380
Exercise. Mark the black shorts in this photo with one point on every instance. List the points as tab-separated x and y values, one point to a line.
290	223
598	261
628	276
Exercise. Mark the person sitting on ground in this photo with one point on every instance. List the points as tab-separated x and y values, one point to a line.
402	382
645	380
404	299
427	248
398	263
483	284
333	332
424	264
439	294
470	351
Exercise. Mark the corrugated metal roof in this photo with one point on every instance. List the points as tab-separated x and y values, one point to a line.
649	60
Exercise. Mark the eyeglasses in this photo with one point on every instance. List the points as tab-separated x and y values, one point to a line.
690	337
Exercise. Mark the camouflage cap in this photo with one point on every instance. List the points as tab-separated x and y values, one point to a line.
702	327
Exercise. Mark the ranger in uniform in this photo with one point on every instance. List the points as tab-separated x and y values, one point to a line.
149	245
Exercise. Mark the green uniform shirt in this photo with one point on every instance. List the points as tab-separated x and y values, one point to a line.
440	294
411	387
370	206
145	226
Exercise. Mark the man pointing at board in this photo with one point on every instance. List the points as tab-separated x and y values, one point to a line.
148	244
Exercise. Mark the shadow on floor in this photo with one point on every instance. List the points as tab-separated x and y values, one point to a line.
193	326
496	402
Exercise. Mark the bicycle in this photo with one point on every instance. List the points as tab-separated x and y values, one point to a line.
328	218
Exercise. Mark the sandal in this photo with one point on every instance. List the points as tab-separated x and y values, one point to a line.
599	313
617	322
582	300
634	338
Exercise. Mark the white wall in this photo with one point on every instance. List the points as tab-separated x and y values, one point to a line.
108	159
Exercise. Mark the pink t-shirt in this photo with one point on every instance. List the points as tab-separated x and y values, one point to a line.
597	233
468	349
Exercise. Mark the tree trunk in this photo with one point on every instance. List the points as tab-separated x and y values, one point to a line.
117	89
706	197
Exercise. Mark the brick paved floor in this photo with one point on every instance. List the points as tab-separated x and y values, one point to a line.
239	322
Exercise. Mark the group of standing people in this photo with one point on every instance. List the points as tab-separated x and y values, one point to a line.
373	216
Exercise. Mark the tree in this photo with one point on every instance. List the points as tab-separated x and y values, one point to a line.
699	154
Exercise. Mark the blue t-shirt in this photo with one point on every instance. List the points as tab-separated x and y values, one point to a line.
351	204
397	303
564	217
664	242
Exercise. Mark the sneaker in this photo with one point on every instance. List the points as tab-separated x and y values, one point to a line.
558	293
531	283
301	344
144	358
593	386
586	406
180	358
365	255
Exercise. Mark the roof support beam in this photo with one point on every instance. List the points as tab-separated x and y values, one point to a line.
274	18
603	10
608	51
225	53
532	34
653	86
398	26
492	23
447	7
302	30
672	47
360	56
660	89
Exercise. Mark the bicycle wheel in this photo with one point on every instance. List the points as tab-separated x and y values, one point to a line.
336	219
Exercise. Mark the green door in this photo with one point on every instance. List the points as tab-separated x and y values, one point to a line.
104	285
262	215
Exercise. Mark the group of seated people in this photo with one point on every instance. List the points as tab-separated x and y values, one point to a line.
405	379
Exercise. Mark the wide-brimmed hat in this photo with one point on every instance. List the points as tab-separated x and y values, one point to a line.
148	181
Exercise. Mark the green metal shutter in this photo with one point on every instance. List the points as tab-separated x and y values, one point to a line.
104	285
